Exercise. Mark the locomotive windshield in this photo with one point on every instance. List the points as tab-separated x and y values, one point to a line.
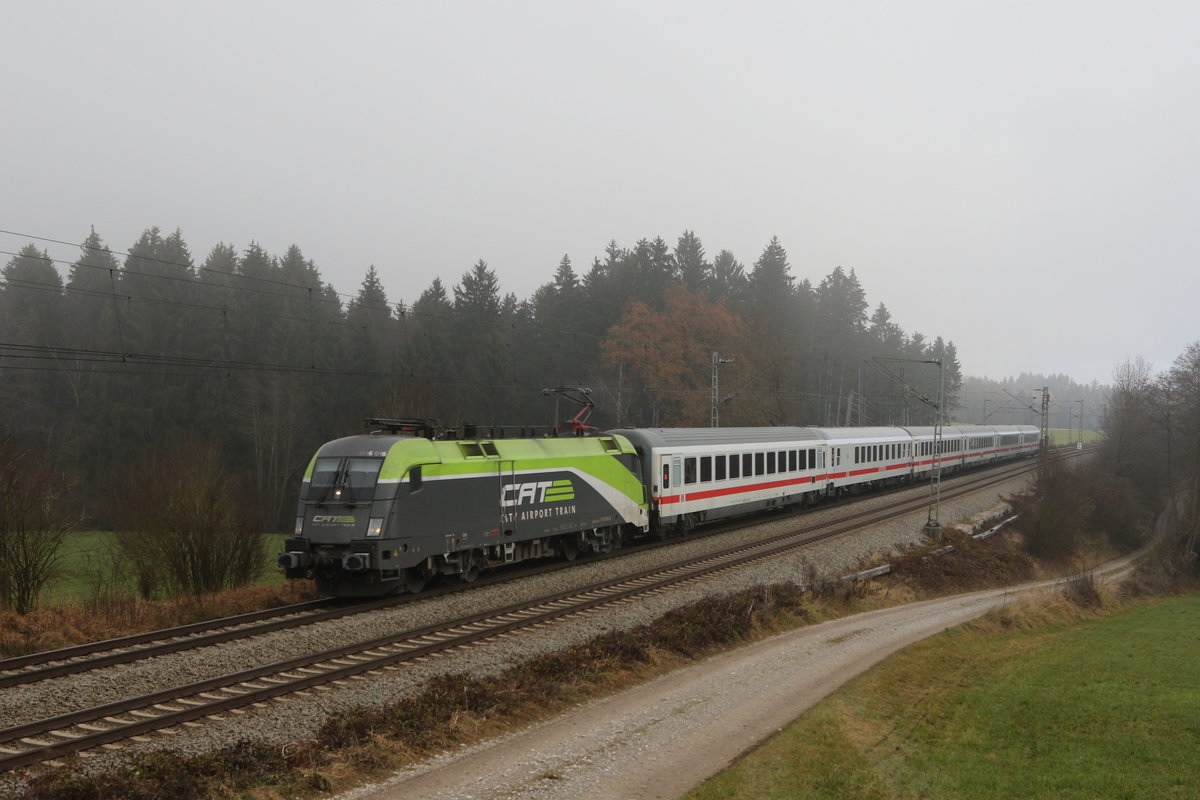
346	480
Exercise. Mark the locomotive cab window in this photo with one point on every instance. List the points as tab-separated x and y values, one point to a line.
414	479
347	480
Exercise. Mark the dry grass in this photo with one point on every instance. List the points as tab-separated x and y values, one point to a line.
970	566
63	626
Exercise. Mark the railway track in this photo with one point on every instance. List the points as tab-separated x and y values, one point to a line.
135	718
76	659
34	667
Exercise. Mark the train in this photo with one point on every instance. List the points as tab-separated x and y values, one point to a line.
387	511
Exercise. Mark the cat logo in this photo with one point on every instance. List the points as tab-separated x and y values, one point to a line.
515	494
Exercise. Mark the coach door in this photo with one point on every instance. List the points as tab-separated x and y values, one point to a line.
670	474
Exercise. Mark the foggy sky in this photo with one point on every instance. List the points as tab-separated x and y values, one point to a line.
1018	177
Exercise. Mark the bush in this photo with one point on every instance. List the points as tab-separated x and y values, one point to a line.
1083	591
970	565
1052	515
32	524
185	523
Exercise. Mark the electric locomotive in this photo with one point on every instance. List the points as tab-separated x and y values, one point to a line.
386	511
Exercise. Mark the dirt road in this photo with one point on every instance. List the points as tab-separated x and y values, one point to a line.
661	739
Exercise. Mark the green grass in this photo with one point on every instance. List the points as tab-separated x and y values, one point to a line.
1059	436
85	554
1103	709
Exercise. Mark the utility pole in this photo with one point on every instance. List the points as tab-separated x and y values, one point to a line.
717	361
1045	418
1081	420
933	526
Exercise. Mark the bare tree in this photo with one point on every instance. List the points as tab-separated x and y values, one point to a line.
33	523
185	522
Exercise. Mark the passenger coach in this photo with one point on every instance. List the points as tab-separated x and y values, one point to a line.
700	474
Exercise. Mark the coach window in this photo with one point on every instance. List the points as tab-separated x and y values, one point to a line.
720	465
792	460
771	463
760	464
747	465
735	462
705	469
689	470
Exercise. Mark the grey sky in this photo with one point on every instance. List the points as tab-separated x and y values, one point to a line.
1019	177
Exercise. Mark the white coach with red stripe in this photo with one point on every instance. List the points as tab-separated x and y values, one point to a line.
700	474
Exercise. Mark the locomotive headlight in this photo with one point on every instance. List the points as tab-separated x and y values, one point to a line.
375	527
299	527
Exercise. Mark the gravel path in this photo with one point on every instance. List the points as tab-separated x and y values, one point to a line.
661	739
279	723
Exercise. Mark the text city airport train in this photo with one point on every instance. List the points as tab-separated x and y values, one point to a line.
388	510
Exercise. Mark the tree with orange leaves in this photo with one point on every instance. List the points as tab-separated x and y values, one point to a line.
669	353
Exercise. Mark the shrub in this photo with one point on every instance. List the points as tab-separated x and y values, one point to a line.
32	524
185	523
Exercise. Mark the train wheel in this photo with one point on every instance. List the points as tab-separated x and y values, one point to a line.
570	548
471	568
610	538
414	580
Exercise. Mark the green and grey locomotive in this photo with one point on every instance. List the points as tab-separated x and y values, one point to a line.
386	511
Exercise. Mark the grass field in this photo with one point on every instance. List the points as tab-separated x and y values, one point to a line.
85	555
1060	436
1098	709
